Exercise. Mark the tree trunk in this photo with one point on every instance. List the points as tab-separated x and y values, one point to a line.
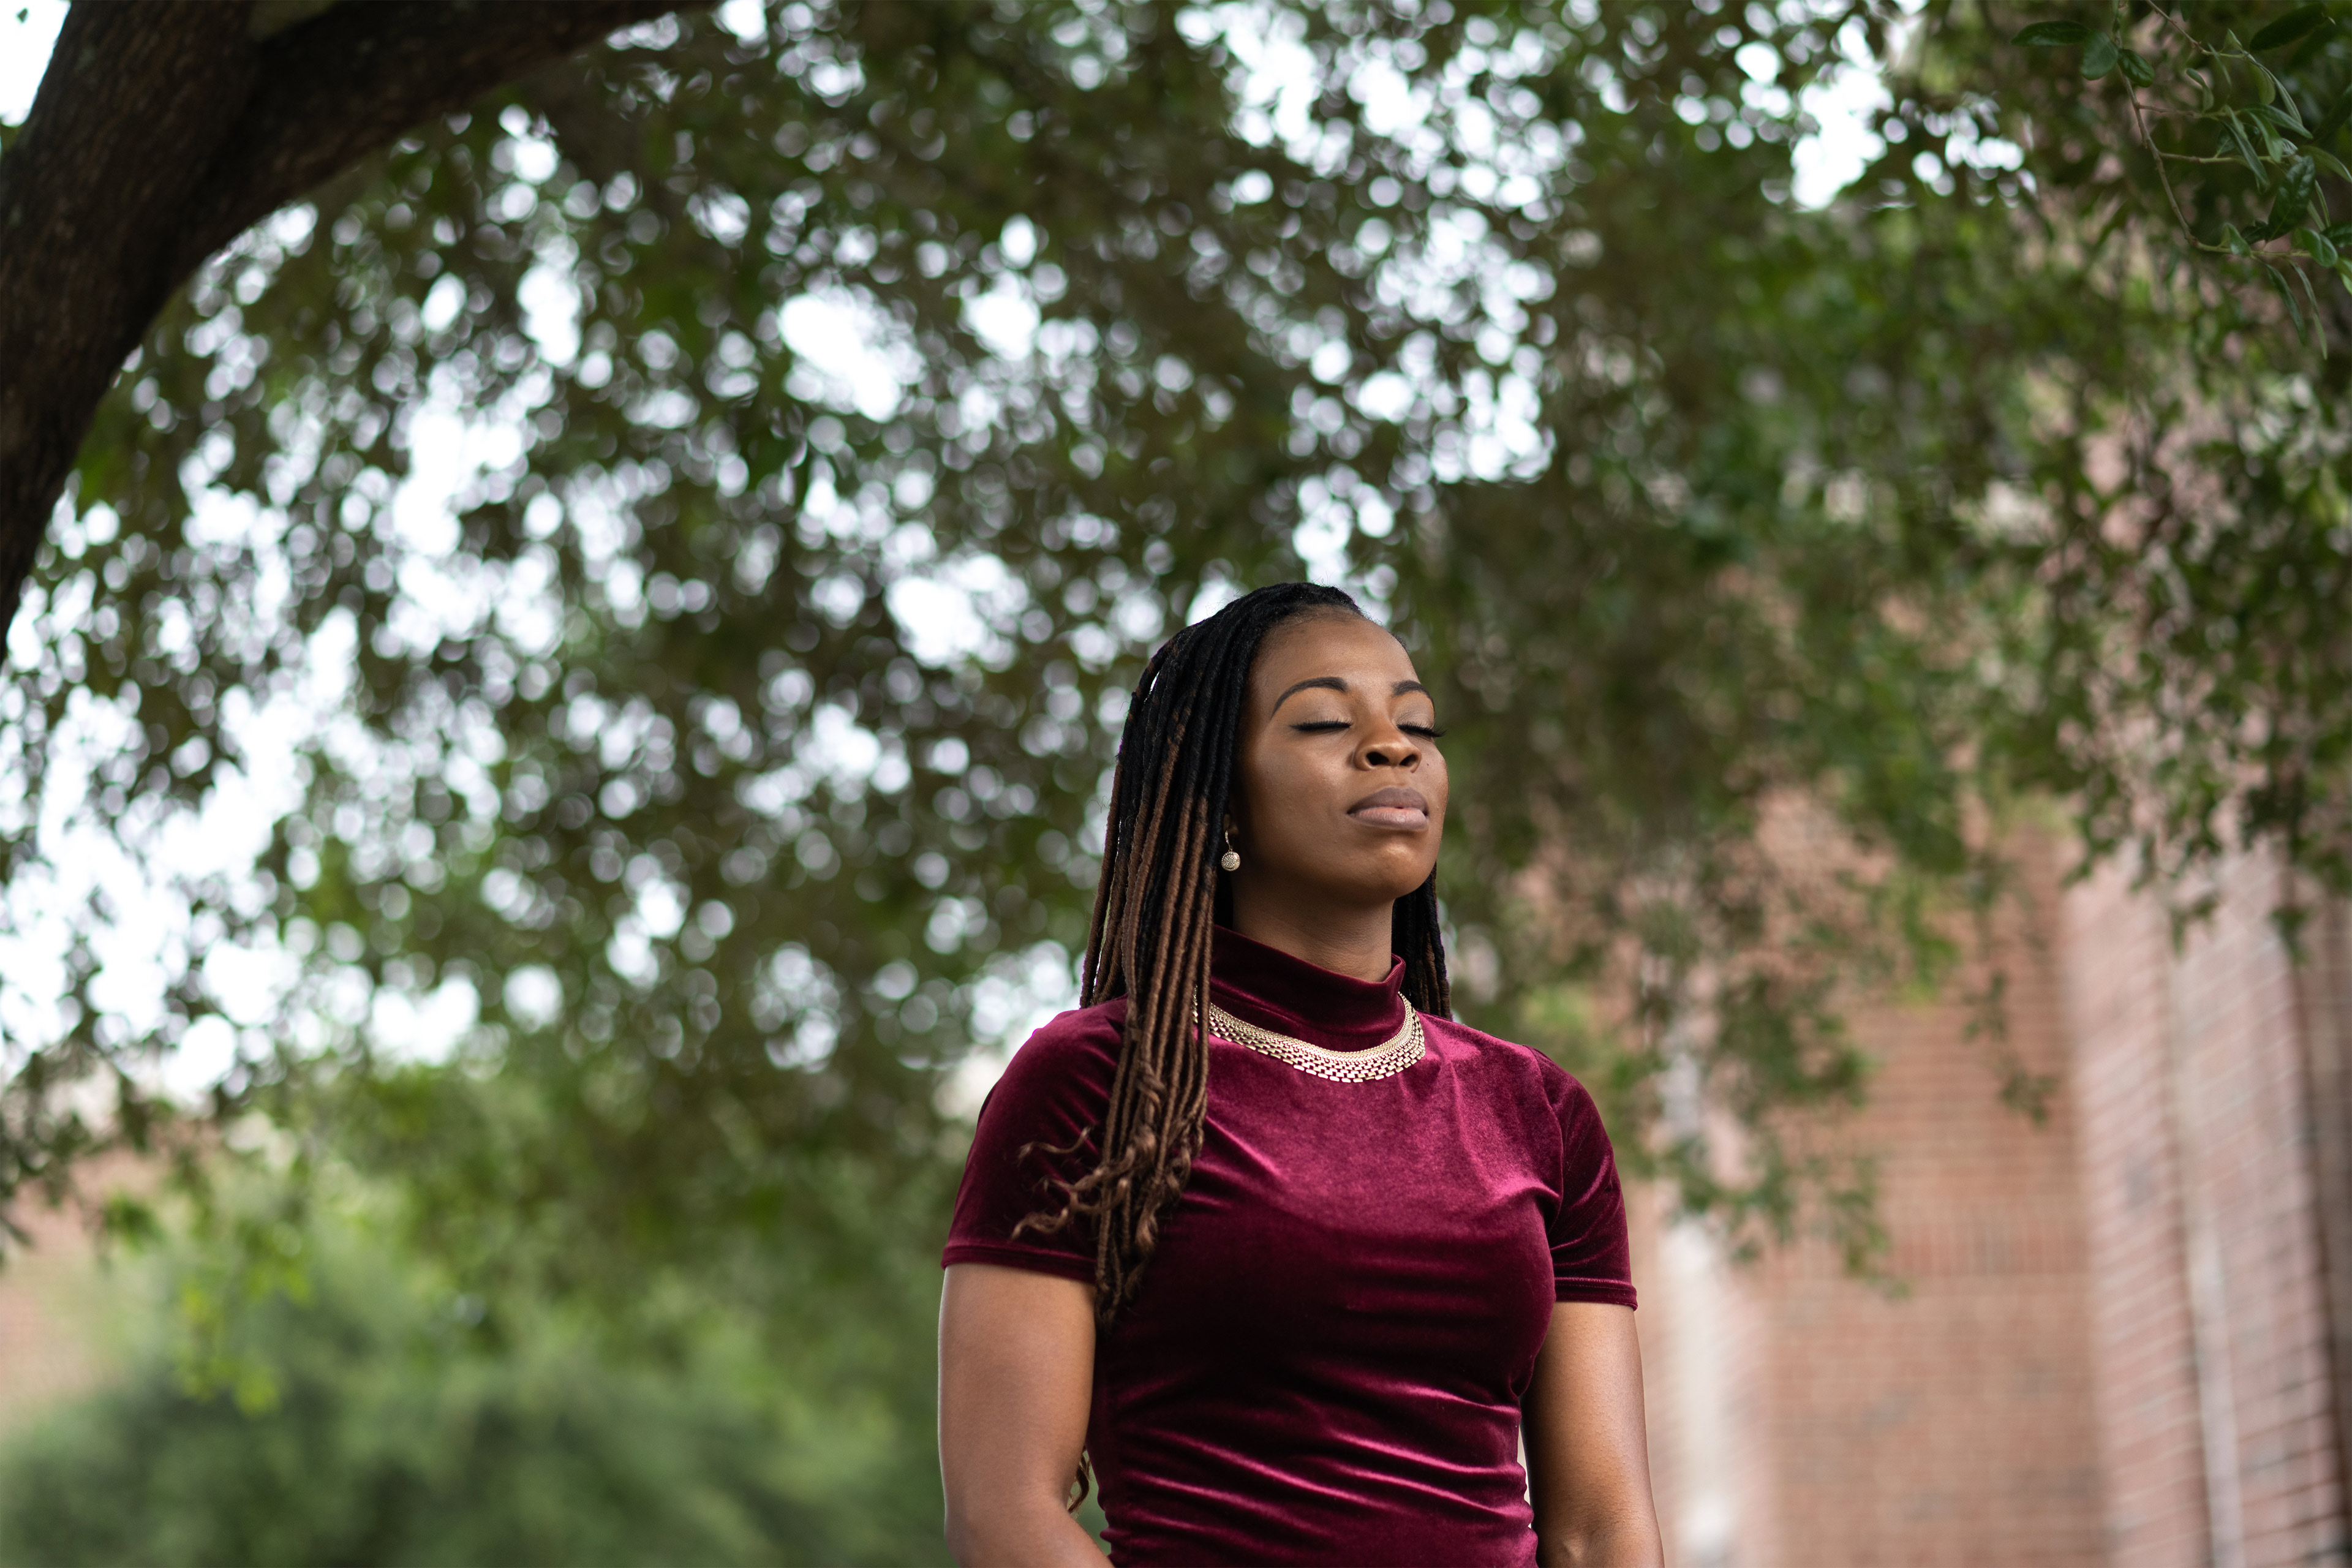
165	128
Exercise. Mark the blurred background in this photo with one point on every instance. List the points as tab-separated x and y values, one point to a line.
556	739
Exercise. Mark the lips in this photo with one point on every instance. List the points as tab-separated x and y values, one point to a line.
1393	808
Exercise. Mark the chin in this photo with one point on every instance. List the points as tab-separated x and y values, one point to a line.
1389	882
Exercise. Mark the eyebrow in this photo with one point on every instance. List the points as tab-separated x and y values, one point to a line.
1333	683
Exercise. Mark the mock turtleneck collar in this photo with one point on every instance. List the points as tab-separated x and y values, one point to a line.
1266	986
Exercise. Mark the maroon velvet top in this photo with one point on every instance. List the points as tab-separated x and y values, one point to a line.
1326	1357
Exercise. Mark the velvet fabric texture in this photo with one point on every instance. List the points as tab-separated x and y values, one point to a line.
1326	1360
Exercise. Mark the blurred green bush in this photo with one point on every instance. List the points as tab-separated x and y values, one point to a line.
364	1415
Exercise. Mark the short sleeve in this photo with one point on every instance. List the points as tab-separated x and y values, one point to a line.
1591	1258
1039	1127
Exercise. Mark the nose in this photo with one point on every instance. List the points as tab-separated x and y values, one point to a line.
1394	749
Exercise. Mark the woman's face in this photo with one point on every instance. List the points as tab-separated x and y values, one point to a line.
1342	790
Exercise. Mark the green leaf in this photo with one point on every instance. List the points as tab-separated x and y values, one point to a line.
2332	121
2282	115
2339	235
2049	34
2265	85
2331	163
130	1220
2099	57
2137	70
2318	321
2289	27
2235	241
2271	146
2293	310
2295	190
2311	45
2317	244
2246	148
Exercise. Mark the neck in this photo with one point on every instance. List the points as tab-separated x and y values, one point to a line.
1353	942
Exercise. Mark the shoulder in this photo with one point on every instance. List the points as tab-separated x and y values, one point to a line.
1070	1061
1071	1039
1491	1054
1520	1073
1036	1134
1555	1118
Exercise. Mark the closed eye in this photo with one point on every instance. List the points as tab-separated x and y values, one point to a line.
1320	726
1427	731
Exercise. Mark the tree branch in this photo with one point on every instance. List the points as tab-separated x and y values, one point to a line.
165	129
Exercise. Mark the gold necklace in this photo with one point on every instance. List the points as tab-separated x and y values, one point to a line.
1402	1049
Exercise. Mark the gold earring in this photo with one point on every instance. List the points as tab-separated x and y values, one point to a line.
1232	858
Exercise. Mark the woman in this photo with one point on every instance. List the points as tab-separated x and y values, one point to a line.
1294	1259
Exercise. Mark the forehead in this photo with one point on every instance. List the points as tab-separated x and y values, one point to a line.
1331	644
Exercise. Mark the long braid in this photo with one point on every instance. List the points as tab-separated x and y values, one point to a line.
1155	911
1414	930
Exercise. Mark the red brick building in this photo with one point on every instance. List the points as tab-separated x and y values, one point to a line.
58	1323
2125	1333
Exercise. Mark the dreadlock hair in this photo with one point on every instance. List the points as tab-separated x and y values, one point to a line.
1161	893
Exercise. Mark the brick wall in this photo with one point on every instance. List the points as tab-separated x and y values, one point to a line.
2128	1337
1700	1358
1950	1424
56	1326
2143	1335
2214	1314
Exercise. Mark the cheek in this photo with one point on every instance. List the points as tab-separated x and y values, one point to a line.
1296	789
1290	797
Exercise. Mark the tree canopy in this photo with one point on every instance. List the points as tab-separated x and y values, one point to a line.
659	550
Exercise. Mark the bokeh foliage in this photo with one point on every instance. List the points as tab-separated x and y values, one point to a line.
731	742
372	1420
2187	651
660	727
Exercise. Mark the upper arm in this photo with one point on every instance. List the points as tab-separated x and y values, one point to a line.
1588	1443
1016	1381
